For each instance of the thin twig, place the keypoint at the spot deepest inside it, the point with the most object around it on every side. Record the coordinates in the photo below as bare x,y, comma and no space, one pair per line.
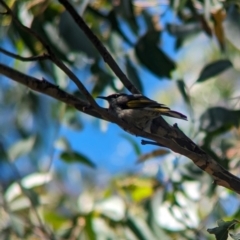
53,57
25,59
99,46
47,88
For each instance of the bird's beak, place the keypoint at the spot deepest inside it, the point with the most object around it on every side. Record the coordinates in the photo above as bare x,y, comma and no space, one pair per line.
105,98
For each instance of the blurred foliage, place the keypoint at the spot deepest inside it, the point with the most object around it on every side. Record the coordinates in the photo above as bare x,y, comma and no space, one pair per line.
191,46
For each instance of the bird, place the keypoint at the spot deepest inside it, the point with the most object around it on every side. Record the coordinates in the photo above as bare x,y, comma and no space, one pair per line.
137,109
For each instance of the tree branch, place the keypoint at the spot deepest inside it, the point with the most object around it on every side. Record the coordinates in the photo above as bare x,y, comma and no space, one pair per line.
47,88
99,46
25,59
159,131
53,57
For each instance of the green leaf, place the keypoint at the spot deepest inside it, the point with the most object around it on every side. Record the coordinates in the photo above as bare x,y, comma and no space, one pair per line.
133,75
126,10
116,27
103,79
21,148
221,232
134,144
89,227
32,196
139,228
214,69
182,88
74,37
151,207
54,219
152,57
71,157
217,118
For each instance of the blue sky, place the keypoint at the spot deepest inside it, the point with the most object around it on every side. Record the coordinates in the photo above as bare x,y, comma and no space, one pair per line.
108,149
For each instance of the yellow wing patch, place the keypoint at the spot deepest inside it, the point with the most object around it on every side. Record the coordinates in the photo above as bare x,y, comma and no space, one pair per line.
138,103
164,109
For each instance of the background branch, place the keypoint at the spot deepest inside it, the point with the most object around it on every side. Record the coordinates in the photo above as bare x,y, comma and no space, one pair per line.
54,58
99,46
47,88
25,59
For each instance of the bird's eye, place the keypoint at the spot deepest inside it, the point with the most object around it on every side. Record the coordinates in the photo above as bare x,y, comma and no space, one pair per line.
116,95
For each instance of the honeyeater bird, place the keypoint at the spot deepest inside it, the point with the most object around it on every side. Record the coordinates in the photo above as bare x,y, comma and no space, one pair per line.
137,109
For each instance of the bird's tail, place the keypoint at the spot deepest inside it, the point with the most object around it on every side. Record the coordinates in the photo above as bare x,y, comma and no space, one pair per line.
174,114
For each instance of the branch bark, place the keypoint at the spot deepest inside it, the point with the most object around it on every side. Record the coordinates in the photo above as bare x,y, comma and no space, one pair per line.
99,46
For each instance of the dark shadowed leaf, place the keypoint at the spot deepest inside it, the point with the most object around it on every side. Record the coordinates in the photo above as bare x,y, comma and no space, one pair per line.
221,232
69,31
89,226
219,117
133,75
102,79
214,69
152,57
182,89
126,10
73,157
47,30
116,27
32,196
139,227
151,208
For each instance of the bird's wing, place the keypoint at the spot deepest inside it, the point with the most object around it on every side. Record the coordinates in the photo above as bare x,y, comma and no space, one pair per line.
139,101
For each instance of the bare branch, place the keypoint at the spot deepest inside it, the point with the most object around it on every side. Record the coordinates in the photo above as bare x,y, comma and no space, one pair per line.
47,88
99,46
25,59
53,57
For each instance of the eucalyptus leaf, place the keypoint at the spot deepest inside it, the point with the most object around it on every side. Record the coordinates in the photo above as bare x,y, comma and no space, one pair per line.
218,117
221,232
21,148
73,157
152,57
213,69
